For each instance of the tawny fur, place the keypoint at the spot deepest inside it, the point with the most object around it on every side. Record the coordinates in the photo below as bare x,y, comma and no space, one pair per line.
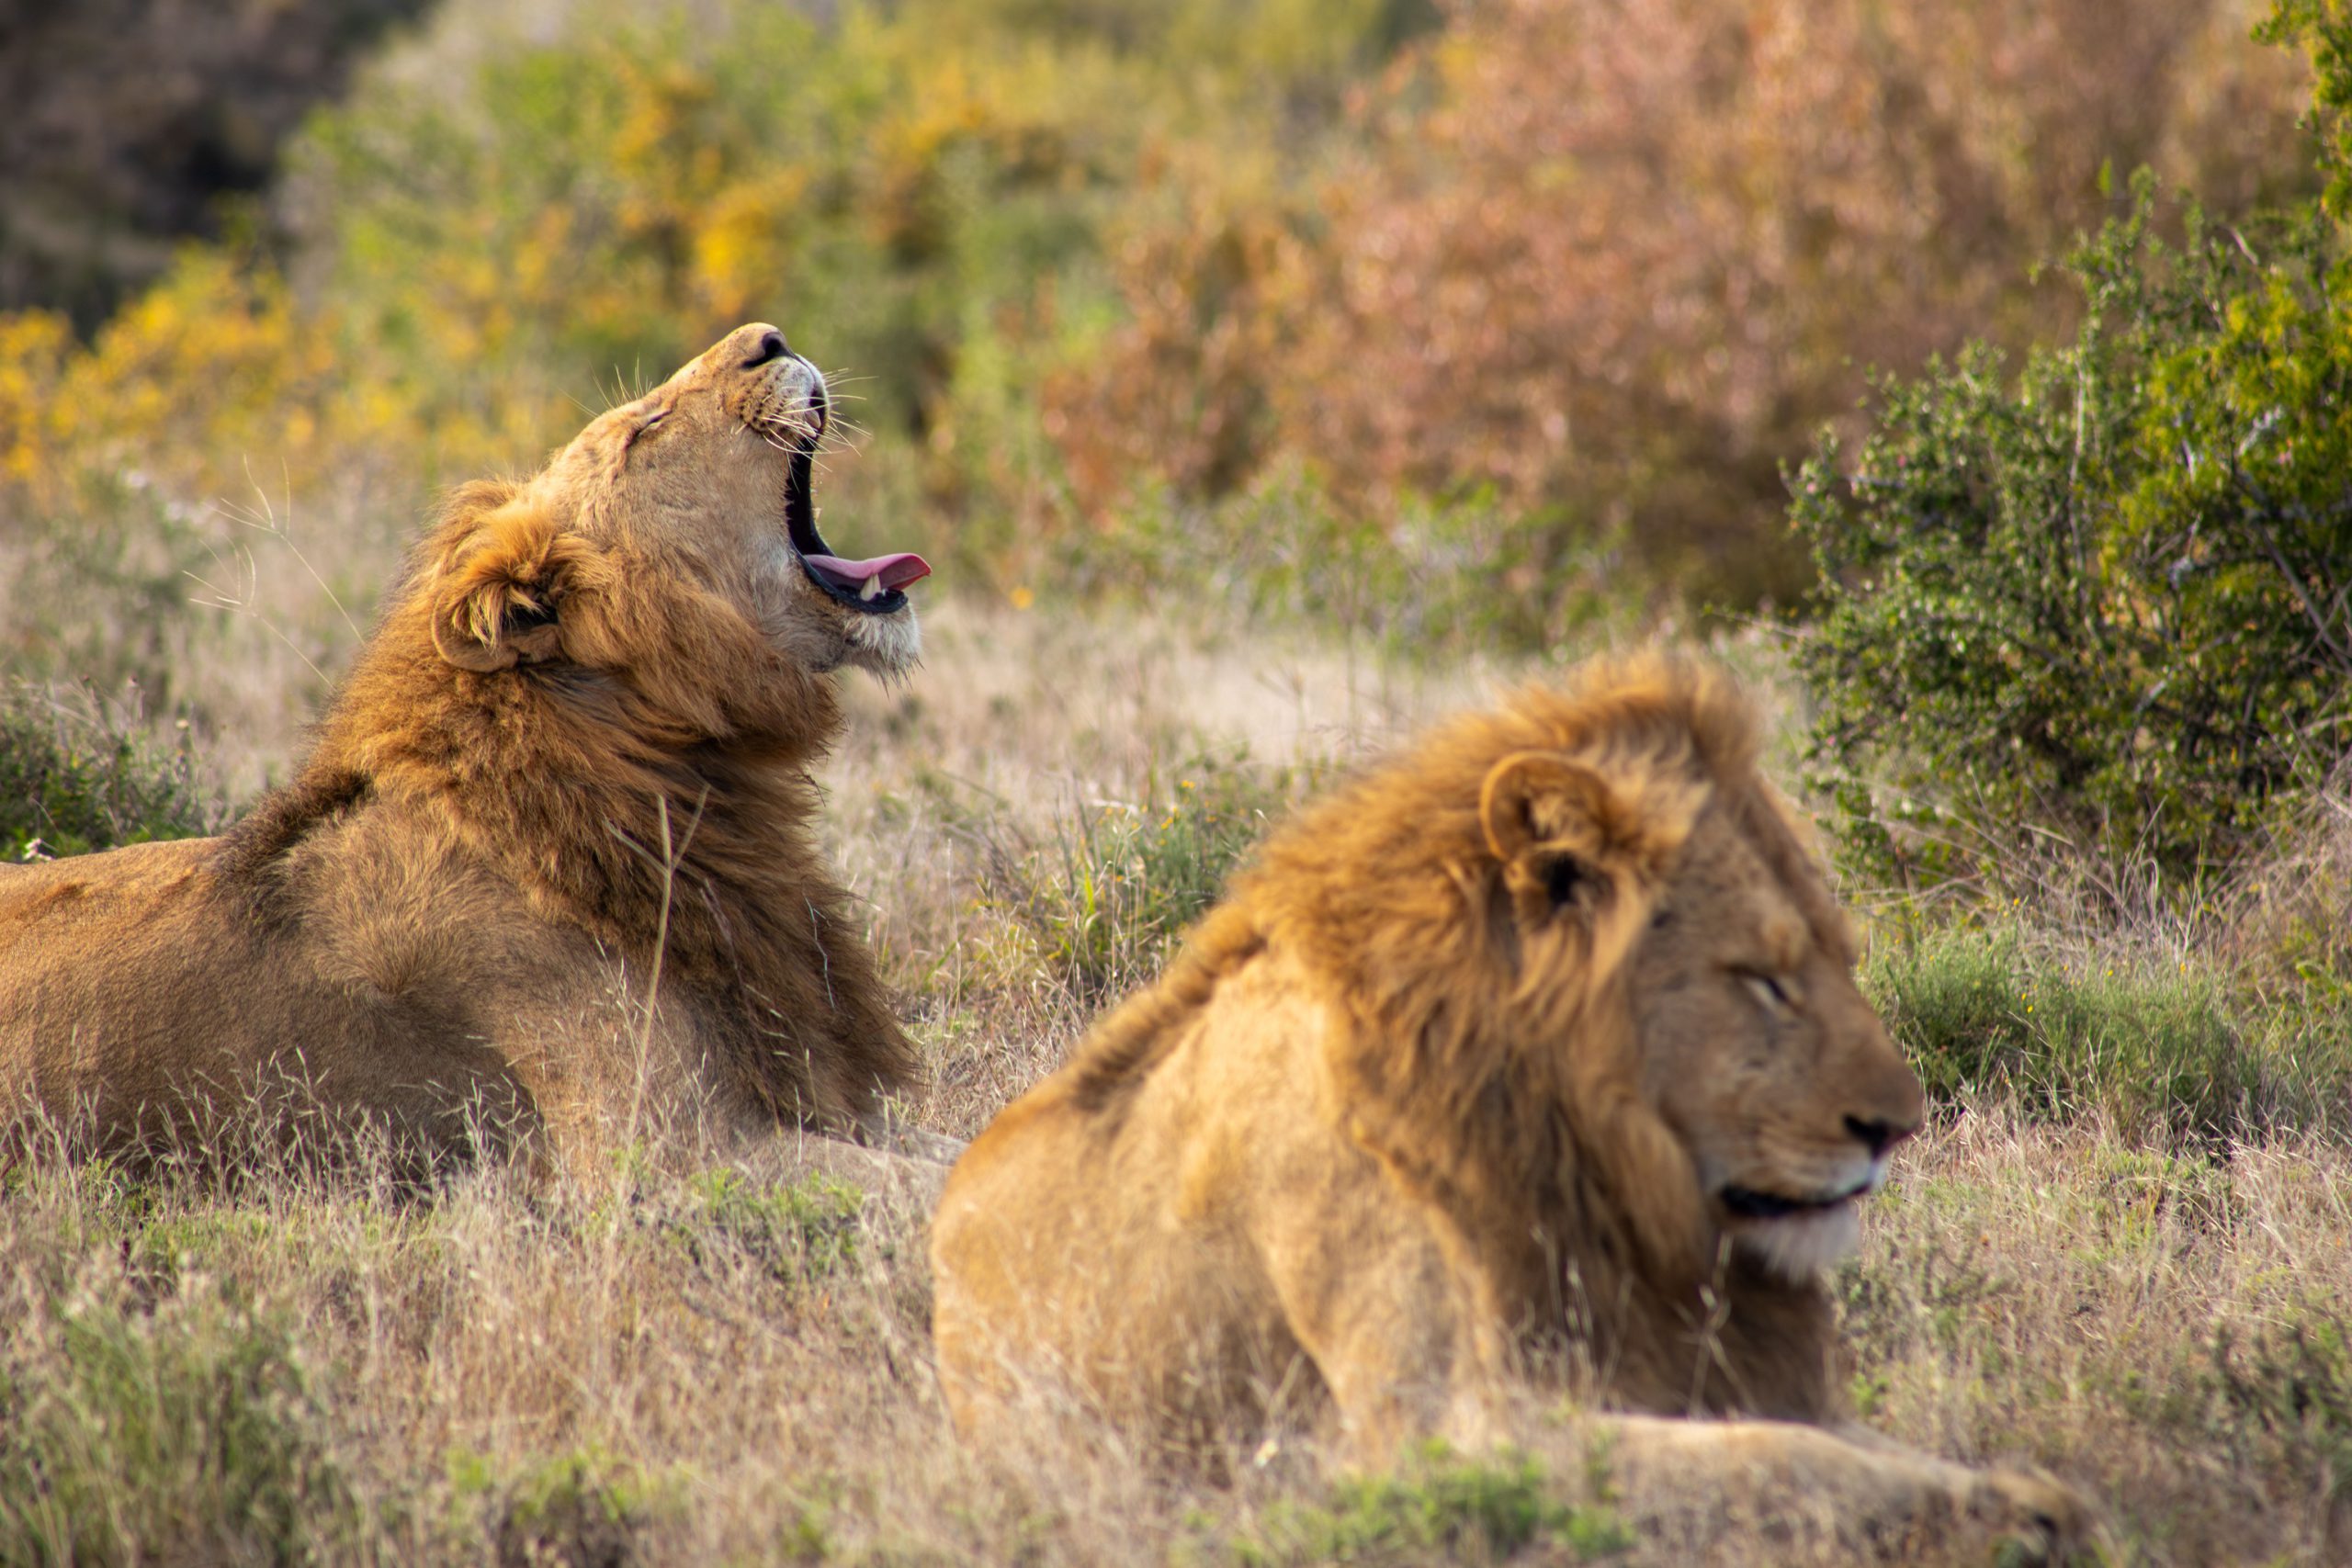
460,906
1452,1098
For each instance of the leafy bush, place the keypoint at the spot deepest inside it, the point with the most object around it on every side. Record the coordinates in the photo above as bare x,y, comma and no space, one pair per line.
75,776
2324,29
1615,261
511,216
152,125
2110,602
1064,246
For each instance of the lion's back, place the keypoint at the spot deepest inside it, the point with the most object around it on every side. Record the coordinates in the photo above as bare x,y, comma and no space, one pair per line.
83,911
143,988
113,962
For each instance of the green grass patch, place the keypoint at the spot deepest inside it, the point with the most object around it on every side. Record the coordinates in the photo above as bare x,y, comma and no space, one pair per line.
1484,1511
2283,1395
94,573
2271,1398
2173,1052
583,1509
791,1232
1101,903
193,1433
1418,578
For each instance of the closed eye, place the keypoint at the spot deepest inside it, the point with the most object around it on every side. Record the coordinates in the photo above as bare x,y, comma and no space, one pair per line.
644,427
1769,992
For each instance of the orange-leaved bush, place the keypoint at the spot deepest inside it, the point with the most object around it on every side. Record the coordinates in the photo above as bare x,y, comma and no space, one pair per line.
1617,258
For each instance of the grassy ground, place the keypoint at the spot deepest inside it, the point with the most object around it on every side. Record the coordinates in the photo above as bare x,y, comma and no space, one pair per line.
2119,1253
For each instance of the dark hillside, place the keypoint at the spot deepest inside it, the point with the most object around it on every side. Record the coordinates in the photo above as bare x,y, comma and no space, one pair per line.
128,118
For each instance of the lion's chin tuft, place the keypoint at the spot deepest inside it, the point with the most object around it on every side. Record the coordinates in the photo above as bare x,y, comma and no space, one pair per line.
887,645
1799,1246
1795,1238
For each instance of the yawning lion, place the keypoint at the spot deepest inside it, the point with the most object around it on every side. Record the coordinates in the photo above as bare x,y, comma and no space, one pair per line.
550,861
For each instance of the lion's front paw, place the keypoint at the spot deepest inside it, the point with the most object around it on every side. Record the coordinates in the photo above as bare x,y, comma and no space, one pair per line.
2036,1519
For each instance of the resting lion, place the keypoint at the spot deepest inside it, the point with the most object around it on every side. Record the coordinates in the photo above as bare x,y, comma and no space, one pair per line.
1533,1060
553,850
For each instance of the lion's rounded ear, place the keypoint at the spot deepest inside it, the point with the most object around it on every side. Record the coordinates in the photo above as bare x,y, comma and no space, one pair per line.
1549,801
1566,836
1546,820
1541,798
498,590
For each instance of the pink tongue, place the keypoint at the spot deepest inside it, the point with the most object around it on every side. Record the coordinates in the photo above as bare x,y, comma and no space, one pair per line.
895,571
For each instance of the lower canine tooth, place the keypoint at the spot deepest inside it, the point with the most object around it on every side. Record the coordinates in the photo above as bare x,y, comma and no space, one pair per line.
873,586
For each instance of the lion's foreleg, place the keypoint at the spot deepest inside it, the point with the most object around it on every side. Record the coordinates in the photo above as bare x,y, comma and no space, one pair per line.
1701,1478
1368,1293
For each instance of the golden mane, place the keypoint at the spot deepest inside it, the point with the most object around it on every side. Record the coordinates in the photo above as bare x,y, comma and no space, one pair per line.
1445,1098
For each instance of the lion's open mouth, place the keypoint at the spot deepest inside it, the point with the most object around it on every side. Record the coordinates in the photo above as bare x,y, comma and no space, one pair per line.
1750,1204
872,587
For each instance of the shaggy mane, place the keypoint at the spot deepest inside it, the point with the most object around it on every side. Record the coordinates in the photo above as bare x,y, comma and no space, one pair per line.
1583,1199
1415,816
570,778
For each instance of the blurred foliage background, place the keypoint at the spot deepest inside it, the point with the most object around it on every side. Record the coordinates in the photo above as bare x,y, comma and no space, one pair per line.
1597,268
1461,324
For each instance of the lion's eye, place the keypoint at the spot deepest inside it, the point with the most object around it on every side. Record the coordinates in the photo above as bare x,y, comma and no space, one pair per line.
1769,992
645,427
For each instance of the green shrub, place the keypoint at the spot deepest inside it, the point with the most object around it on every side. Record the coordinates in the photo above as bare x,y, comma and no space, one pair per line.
2322,29
75,776
920,193
2107,604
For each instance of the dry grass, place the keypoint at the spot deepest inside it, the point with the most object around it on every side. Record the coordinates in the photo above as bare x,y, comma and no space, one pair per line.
2167,1331
699,1358
730,1364
990,772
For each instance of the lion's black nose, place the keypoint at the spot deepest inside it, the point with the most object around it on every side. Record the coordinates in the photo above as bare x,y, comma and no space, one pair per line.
1878,1137
772,346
